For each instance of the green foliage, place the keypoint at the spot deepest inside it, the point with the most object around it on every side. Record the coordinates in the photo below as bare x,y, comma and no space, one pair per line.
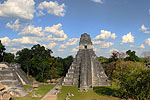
131,56
135,84
39,63
102,59
2,49
66,64
9,57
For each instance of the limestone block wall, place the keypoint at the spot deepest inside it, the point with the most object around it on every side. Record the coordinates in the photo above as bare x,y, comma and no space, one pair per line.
86,71
11,77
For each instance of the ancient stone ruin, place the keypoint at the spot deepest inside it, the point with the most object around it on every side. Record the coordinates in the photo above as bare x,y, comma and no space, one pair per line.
85,71
13,78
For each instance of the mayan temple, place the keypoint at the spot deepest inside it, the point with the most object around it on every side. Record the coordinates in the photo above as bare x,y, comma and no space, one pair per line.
85,71
13,78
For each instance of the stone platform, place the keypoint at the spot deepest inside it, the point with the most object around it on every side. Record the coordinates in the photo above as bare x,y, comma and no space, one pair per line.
86,71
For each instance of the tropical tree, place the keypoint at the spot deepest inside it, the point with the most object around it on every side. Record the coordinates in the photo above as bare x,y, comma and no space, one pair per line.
2,49
131,56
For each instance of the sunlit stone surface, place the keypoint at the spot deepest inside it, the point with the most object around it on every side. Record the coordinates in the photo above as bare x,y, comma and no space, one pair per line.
85,71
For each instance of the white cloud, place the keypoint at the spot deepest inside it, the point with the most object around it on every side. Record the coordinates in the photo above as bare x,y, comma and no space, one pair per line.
20,41
113,50
97,42
147,32
147,41
60,50
50,45
6,41
98,1
95,49
128,38
142,46
62,46
143,28
104,35
113,36
17,9
31,31
72,41
15,26
131,46
57,34
107,45
13,50
74,50
27,40
52,8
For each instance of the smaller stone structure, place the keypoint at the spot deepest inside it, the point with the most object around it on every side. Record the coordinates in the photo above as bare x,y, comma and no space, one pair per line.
13,78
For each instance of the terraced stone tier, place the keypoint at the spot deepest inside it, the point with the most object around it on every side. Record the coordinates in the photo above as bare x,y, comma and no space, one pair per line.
7,78
86,71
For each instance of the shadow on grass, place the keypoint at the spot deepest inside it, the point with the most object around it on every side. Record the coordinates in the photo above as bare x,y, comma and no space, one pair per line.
105,91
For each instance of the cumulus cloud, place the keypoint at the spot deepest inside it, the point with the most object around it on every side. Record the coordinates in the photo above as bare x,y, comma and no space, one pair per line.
72,41
74,50
113,50
27,40
17,9
145,29
113,36
56,33
142,46
63,46
60,50
129,38
147,32
107,45
104,35
97,42
20,41
95,49
50,45
31,31
98,1
15,26
147,41
51,8
131,46
14,50
32,35
6,41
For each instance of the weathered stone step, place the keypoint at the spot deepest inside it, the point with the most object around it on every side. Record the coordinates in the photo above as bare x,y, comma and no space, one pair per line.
68,83
5,72
71,71
10,82
70,75
7,78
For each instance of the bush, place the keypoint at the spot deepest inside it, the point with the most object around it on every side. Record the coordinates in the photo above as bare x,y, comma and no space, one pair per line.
134,83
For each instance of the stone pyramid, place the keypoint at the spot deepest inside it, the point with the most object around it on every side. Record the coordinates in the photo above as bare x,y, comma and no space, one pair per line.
13,78
86,71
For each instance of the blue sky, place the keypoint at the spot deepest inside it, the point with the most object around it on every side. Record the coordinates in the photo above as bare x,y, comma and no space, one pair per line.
114,25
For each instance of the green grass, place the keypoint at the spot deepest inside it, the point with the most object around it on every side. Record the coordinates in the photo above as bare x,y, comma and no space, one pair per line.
100,93
43,89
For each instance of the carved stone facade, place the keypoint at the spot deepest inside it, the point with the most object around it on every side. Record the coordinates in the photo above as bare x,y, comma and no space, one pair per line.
85,71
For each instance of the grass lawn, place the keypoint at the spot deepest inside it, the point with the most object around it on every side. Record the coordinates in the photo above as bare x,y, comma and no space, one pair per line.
100,93
43,89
